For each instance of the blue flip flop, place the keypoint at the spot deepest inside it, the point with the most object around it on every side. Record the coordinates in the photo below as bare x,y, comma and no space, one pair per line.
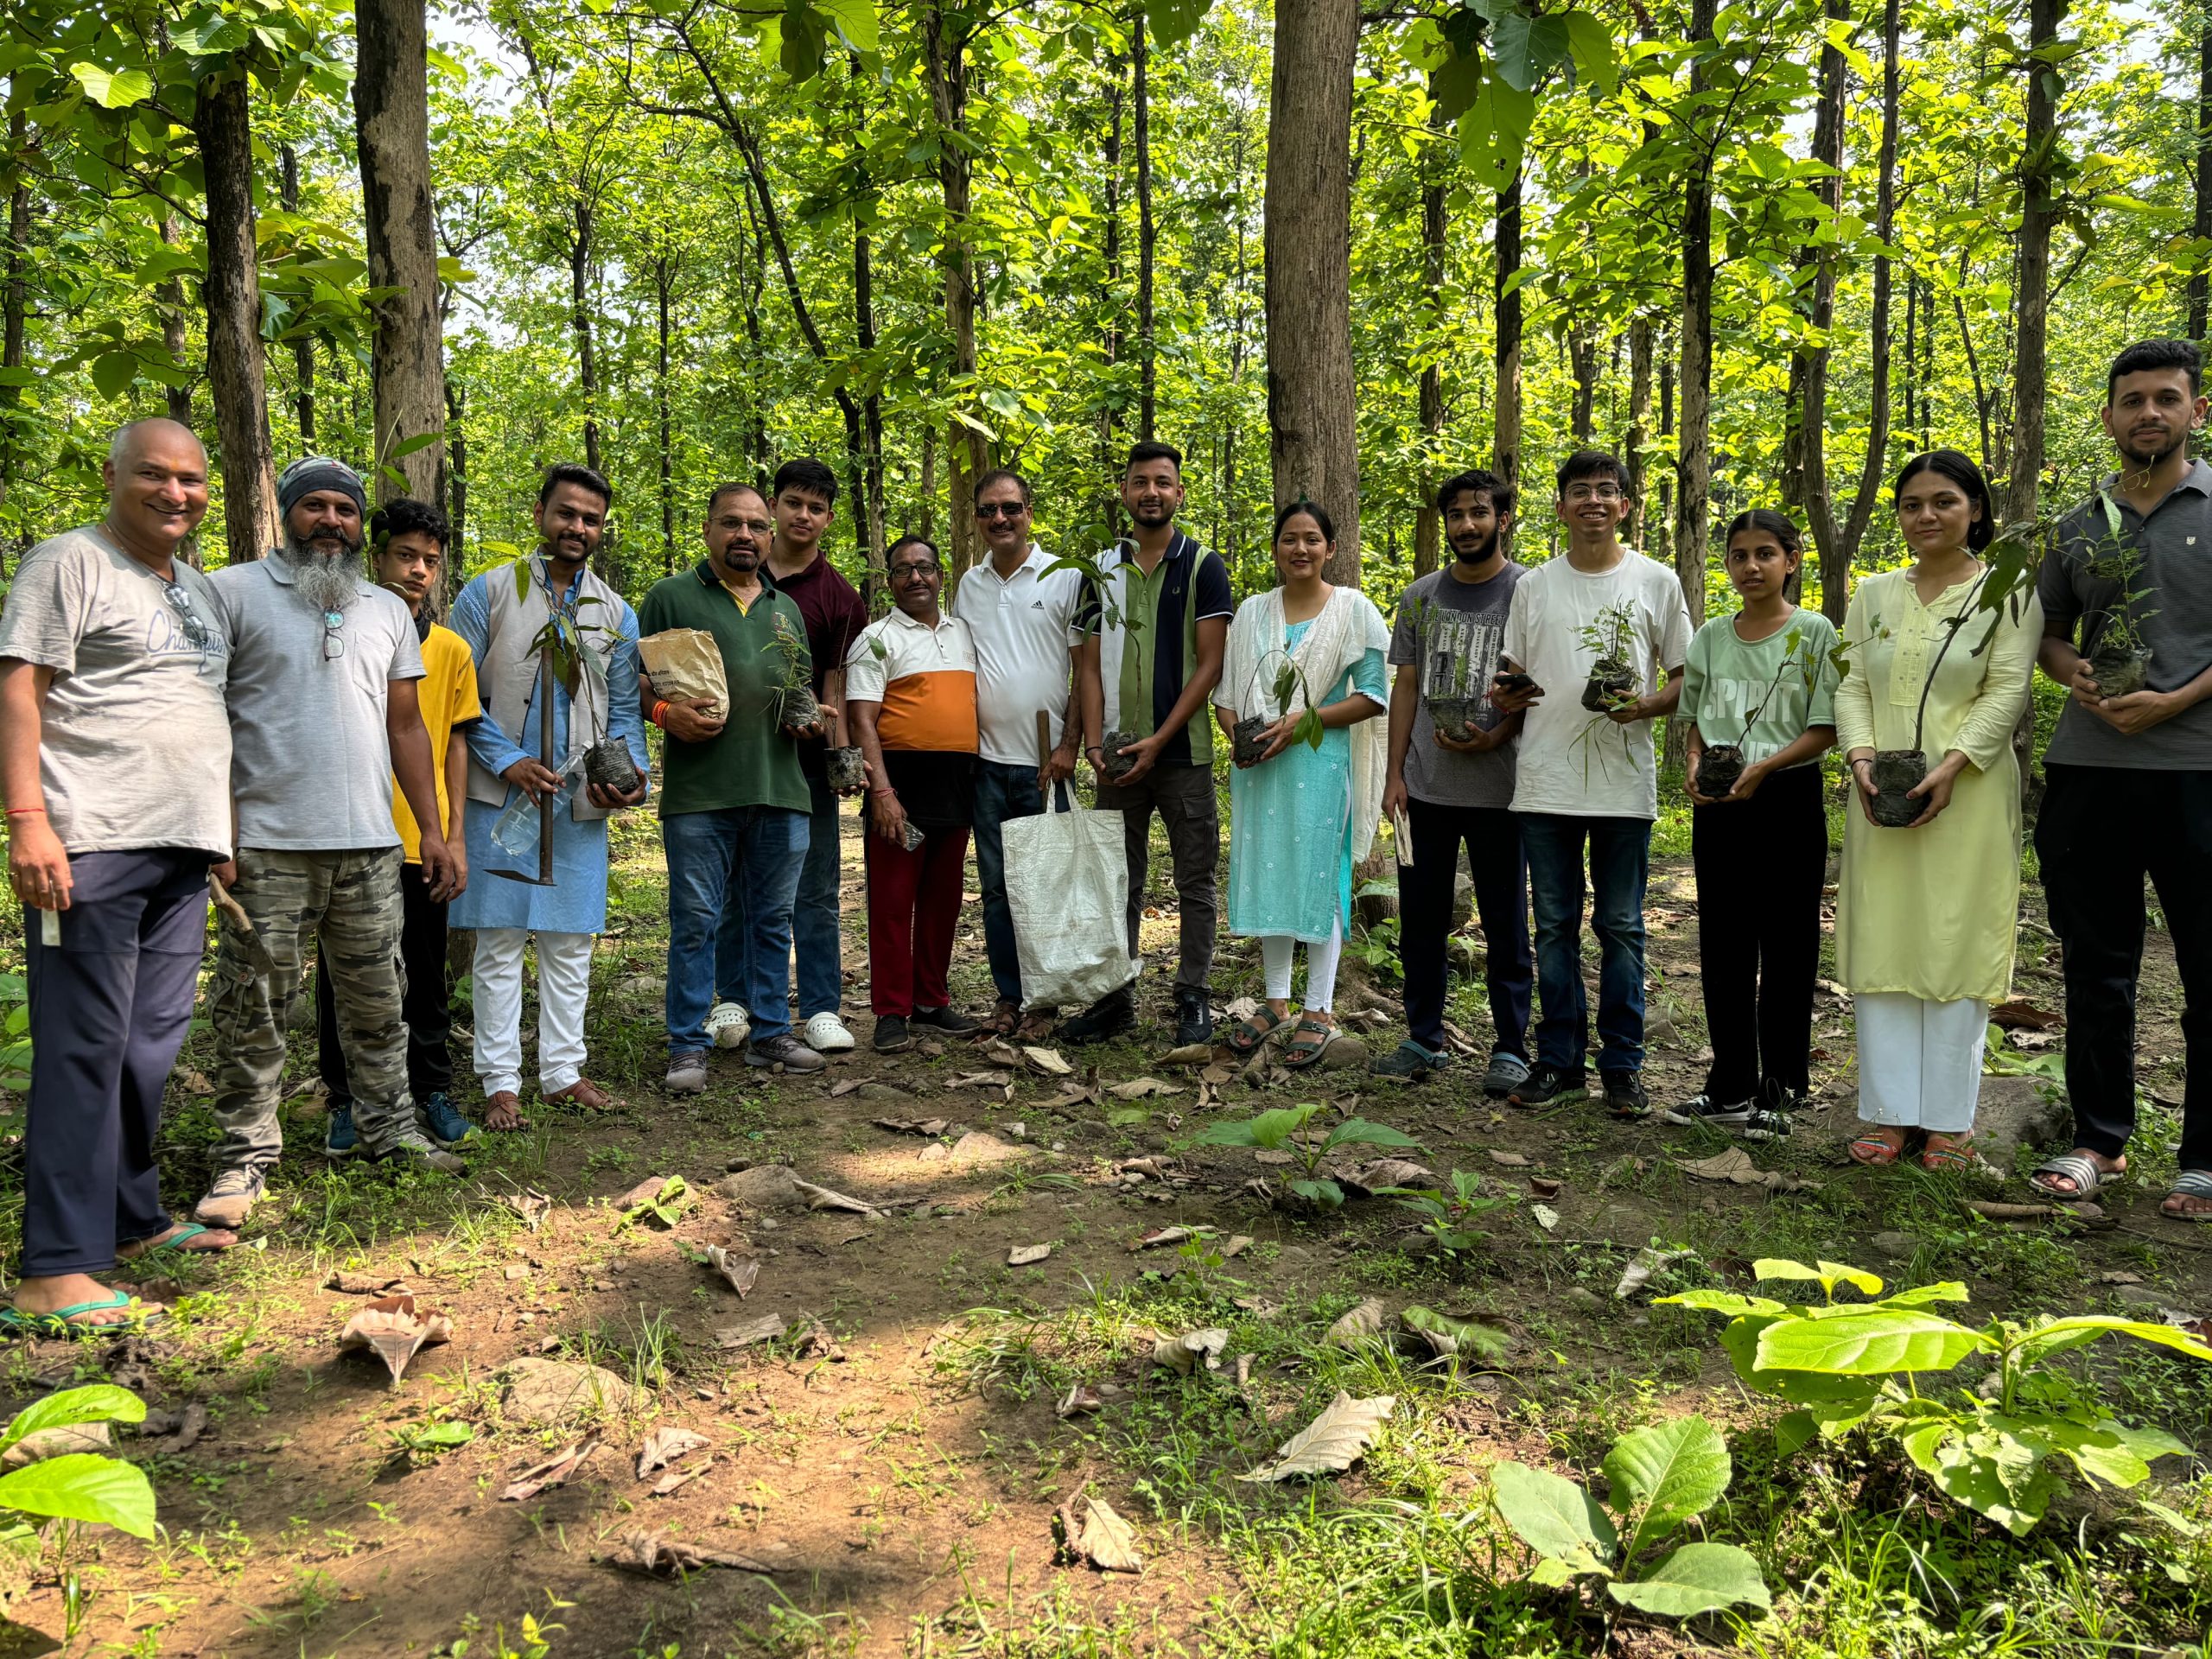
60,1324
174,1243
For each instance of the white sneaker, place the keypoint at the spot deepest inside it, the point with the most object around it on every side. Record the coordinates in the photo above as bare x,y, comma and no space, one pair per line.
729,1025
826,1034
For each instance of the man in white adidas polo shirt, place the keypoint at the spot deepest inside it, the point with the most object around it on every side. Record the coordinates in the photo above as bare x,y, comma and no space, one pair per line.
1022,619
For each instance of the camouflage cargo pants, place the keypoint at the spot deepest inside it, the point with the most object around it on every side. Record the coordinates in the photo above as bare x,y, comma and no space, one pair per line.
351,902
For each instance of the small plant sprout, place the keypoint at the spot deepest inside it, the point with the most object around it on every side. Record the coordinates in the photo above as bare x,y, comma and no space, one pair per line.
1609,637
1445,1217
2120,660
793,697
1290,681
1283,1130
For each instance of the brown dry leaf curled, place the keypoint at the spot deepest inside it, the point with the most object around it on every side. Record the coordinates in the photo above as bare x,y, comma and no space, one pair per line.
999,1051
1080,1400
739,1270
394,1330
1332,1440
1181,1354
1735,1166
1238,1242
1139,1087
1363,1322
678,1480
913,1125
552,1473
768,1326
1189,1054
529,1205
1022,1256
1106,1541
665,1446
1161,1236
1048,1061
980,1080
1508,1159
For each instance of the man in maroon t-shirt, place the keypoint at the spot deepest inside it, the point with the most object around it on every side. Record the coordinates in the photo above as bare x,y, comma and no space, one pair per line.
803,501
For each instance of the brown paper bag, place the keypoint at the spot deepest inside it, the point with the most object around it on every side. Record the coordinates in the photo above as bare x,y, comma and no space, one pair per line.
685,662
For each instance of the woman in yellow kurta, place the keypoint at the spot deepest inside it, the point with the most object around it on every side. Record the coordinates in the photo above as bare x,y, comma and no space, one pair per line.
1927,913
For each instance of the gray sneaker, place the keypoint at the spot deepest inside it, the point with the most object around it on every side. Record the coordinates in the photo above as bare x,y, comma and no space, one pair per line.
411,1146
1505,1073
786,1051
234,1193
687,1074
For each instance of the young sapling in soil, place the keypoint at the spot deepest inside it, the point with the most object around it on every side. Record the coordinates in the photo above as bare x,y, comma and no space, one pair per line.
1610,639
1721,764
2119,661
793,697
1248,738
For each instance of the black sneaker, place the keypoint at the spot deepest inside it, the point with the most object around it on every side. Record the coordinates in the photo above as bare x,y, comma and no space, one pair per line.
1713,1113
950,1021
1550,1085
1193,1019
1110,1016
892,1034
1766,1123
1411,1061
1624,1095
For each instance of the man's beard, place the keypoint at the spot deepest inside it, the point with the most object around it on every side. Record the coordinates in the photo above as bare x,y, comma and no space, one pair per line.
731,565
1158,516
2146,463
1479,554
328,581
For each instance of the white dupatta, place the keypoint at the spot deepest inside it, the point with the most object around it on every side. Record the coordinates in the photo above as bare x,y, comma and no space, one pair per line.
1348,627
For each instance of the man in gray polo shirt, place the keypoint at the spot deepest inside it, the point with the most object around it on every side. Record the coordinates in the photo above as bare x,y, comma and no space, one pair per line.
115,758
2130,774
323,715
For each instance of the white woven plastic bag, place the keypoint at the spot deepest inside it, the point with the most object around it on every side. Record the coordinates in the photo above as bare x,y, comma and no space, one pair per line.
1067,883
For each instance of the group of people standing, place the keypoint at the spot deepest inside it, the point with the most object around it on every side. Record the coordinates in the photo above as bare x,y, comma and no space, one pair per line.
306,742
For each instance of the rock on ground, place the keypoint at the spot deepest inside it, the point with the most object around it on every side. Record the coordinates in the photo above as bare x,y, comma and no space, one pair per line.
557,1392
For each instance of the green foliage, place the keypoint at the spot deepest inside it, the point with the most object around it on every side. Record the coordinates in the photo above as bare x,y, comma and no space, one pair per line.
427,1442
1662,1478
1444,1216
1996,1447
15,1034
665,1206
79,1486
1284,1129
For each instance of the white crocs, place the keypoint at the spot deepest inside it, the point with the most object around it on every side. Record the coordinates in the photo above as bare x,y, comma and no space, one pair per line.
729,1025
825,1033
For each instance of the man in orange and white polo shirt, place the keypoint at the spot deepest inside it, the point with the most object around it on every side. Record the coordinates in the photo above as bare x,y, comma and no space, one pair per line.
909,694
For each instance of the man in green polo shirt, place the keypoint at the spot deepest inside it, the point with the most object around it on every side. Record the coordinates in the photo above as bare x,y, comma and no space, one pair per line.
733,805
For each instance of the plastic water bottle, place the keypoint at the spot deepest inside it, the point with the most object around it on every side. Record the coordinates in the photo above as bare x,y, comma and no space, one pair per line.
515,833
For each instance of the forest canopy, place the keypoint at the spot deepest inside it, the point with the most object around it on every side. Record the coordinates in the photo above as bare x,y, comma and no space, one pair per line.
1766,250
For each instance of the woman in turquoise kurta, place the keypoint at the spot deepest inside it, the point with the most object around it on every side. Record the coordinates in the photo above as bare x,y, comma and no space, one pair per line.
1301,814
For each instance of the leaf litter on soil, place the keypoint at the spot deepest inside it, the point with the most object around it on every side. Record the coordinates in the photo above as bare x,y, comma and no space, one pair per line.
394,1330
1334,1440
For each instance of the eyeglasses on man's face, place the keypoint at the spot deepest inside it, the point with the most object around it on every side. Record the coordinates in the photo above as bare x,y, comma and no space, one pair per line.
1577,493
989,510
913,571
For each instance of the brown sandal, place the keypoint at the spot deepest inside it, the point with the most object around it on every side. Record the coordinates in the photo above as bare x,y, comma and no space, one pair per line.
1005,1018
585,1093
1249,1036
1299,1054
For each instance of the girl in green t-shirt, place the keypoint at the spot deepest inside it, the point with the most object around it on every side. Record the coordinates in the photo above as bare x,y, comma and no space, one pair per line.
1758,692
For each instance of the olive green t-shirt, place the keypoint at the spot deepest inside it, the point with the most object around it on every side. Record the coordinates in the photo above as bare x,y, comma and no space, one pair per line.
750,762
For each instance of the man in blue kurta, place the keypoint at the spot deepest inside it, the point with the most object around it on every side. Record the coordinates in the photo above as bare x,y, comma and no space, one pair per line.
502,624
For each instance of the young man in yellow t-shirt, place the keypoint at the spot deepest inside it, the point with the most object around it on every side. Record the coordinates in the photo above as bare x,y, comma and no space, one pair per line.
408,543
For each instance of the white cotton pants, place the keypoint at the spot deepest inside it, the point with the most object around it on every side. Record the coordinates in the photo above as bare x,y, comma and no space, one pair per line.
564,988
1920,1062
1275,952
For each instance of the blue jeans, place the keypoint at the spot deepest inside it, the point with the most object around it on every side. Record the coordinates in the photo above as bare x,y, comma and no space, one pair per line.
1620,858
742,862
813,930
1003,791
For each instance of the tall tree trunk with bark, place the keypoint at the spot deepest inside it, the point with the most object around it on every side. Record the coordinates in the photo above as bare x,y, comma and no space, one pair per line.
1148,362
944,49
1635,447
585,220
222,123
872,533
169,302
2031,296
1694,449
15,294
392,124
304,344
2200,283
1314,436
457,475
664,291
1428,523
1110,462
1839,545
1506,315
1582,357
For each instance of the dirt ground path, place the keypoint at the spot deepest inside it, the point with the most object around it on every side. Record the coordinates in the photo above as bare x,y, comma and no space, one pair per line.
892,1461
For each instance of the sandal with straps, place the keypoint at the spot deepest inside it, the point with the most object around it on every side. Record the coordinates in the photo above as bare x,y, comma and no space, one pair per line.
1876,1150
2089,1177
1250,1035
2190,1183
1301,1053
1956,1153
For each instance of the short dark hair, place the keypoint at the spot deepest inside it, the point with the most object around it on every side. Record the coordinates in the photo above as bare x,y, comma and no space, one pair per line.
1591,463
575,473
406,516
1002,475
735,486
2145,356
806,473
1479,480
1312,509
1961,471
1152,449
911,540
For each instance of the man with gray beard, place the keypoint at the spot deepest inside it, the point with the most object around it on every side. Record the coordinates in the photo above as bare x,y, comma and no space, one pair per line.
323,715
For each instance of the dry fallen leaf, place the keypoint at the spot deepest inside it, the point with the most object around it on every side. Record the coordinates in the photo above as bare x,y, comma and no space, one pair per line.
1382,1172
1160,1236
1101,1537
552,1473
821,1198
980,1080
676,1480
1332,1440
999,1051
1272,1155
1139,1087
740,1271
665,1446
365,1284
839,1090
1544,1216
1648,1261
1216,1075
1048,1061
1508,1159
1022,1256
1735,1166
767,1326
663,1556
1180,1354
1189,1054
1080,1402
1364,1321
1238,1243
913,1125
1544,1186
394,1328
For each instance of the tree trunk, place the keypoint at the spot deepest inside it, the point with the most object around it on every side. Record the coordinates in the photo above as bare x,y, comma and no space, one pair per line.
1582,355
168,300
1314,436
1694,449
302,345
756,415
873,533
1147,365
222,123
15,294
580,253
391,123
1506,462
2200,283
1636,446
965,451
456,477
2032,296
1428,523
1110,462
927,514
663,281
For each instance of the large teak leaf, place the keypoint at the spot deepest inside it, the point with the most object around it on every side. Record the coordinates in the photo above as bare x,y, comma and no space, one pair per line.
1665,1474
1553,1516
1696,1578
1331,1442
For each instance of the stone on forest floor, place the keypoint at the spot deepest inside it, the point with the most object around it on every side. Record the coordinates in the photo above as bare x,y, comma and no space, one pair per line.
1898,1247
2014,1114
556,1392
